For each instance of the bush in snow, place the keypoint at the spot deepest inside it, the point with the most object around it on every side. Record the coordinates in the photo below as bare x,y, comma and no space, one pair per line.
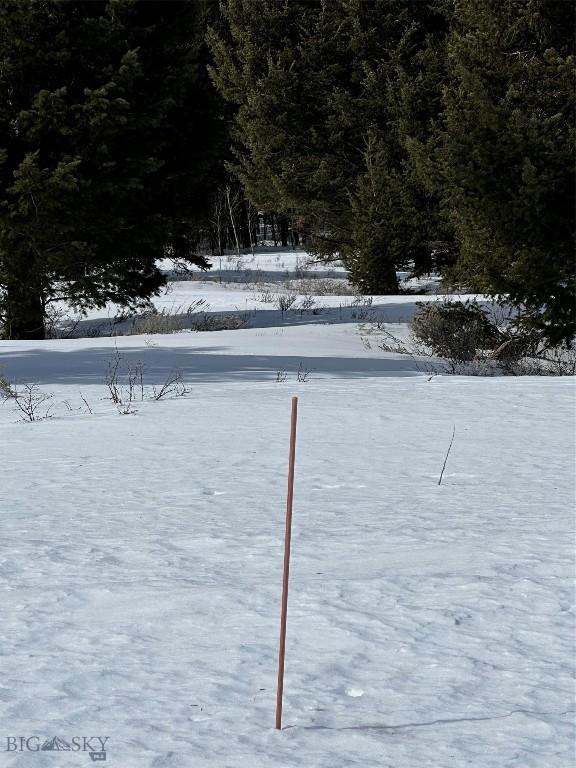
480,340
31,402
453,329
6,390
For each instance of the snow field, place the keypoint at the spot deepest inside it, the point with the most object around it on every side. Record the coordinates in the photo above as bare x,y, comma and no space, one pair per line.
141,556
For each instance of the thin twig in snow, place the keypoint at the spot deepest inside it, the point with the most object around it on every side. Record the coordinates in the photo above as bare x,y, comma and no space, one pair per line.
447,454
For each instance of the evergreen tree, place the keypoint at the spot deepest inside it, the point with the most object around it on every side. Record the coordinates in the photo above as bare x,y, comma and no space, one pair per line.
323,91
508,155
108,135
400,46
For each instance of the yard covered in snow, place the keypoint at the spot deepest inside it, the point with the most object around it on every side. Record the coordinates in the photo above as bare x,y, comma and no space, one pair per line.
141,553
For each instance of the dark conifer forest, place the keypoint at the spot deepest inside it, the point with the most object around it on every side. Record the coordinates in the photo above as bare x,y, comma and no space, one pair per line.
419,135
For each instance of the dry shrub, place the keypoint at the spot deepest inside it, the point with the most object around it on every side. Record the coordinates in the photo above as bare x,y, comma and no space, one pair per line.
454,330
481,340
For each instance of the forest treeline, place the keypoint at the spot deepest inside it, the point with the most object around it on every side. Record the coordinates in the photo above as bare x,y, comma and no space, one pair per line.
395,135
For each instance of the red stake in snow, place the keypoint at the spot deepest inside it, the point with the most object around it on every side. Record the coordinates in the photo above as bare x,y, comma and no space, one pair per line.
287,539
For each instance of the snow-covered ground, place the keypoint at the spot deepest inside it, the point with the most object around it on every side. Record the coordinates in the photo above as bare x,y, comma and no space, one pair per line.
141,554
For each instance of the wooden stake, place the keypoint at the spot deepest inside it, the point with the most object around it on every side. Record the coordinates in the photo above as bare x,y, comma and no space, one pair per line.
287,540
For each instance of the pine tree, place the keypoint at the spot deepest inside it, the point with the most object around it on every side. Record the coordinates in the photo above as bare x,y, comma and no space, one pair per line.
323,91
108,134
400,50
508,155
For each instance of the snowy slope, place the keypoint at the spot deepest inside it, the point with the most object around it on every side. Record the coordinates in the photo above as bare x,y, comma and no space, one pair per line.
140,561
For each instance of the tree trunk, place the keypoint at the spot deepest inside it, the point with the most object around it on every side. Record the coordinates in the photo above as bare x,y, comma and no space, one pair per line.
24,313
231,212
385,283
283,223
251,224
374,272
244,225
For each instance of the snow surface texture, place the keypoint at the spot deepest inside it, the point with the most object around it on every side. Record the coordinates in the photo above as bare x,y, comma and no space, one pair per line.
141,556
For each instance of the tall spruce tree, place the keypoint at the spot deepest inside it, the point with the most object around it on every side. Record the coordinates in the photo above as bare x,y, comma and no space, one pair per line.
108,134
508,155
324,92
400,46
